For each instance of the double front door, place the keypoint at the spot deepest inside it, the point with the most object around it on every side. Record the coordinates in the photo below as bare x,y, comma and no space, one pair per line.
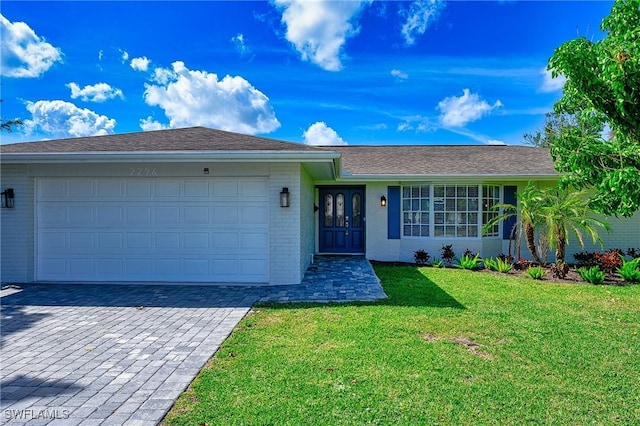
342,220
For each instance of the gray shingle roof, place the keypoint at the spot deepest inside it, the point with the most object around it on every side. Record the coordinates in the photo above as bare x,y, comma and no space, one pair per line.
437,160
471,160
187,139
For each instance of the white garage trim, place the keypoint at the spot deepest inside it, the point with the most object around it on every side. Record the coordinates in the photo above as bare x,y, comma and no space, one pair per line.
152,229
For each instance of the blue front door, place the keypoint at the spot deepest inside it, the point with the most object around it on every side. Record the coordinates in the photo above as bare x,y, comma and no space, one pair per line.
342,220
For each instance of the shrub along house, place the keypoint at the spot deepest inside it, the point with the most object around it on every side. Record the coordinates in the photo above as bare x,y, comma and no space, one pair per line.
203,205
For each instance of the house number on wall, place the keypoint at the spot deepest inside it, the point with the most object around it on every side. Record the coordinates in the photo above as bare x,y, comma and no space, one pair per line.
143,171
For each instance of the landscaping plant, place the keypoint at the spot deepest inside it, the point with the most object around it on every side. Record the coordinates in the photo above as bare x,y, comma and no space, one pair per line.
592,275
560,269
536,272
448,255
498,264
630,270
421,257
468,262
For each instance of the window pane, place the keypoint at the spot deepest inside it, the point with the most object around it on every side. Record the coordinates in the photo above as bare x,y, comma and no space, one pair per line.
473,231
450,191
424,191
406,217
415,205
406,204
424,204
438,231
406,192
461,191
462,218
340,210
473,191
473,204
356,210
328,210
451,205
425,230
473,217
462,205
407,230
462,231
450,231
424,218
438,191
415,192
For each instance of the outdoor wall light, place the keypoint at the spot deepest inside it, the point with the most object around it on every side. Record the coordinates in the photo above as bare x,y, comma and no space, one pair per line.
383,201
205,171
284,197
8,198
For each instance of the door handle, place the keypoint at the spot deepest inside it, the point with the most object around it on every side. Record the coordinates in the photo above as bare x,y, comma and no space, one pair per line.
346,225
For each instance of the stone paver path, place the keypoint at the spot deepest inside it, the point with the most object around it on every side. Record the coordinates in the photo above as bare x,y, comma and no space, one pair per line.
122,354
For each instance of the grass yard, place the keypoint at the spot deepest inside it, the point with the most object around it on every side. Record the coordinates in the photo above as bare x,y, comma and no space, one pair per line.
448,346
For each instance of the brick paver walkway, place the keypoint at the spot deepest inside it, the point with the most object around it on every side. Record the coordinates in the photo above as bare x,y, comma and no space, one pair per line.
122,354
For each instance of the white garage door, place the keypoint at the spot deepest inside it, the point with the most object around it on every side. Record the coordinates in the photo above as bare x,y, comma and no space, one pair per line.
153,229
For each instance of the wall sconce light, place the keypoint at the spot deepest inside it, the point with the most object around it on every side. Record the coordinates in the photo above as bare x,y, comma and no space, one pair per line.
284,197
8,198
206,171
383,201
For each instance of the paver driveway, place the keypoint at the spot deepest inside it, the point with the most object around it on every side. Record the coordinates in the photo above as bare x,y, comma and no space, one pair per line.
119,354
108,354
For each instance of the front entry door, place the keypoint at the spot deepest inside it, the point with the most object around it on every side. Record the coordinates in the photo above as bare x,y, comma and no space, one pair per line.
342,220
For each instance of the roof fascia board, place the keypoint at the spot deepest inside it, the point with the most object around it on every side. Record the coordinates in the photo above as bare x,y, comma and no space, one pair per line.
173,156
400,177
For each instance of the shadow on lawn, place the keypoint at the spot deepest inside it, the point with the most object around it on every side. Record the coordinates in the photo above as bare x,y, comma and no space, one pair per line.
404,286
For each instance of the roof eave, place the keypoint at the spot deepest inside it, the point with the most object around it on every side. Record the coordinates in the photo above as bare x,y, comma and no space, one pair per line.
170,156
418,177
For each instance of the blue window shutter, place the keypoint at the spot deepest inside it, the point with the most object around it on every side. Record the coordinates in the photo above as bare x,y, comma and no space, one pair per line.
509,198
393,212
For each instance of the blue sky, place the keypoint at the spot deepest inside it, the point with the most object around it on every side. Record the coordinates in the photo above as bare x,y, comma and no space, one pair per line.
319,72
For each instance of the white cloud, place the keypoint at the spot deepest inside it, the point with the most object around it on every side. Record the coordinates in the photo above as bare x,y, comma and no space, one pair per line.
495,142
417,123
23,52
125,55
321,134
198,98
457,111
240,44
319,29
100,54
64,119
140,64
400,75
149,123
420,15
99,92
550,84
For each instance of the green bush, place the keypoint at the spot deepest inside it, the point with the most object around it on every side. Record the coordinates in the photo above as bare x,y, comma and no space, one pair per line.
437,263
630,270
468,262
498,264
536,272
592,275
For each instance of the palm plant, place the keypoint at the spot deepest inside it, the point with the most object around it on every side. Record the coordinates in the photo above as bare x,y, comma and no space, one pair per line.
530,200
565,212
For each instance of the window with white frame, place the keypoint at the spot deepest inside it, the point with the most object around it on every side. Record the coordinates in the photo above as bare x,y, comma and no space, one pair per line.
490,197
455,211
415,210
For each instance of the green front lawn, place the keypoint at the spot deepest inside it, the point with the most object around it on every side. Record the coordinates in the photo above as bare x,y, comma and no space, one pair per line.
448,346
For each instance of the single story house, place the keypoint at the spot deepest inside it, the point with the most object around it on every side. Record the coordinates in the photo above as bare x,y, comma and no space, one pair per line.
204,205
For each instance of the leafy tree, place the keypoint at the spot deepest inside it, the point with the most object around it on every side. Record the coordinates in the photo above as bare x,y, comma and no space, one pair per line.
553,126
8,125
567,212
603,88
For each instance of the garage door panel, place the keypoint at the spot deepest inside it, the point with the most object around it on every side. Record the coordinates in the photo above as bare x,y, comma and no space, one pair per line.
153,229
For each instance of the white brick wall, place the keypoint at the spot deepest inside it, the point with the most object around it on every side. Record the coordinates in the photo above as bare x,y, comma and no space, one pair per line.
17,228
285,225
307,220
